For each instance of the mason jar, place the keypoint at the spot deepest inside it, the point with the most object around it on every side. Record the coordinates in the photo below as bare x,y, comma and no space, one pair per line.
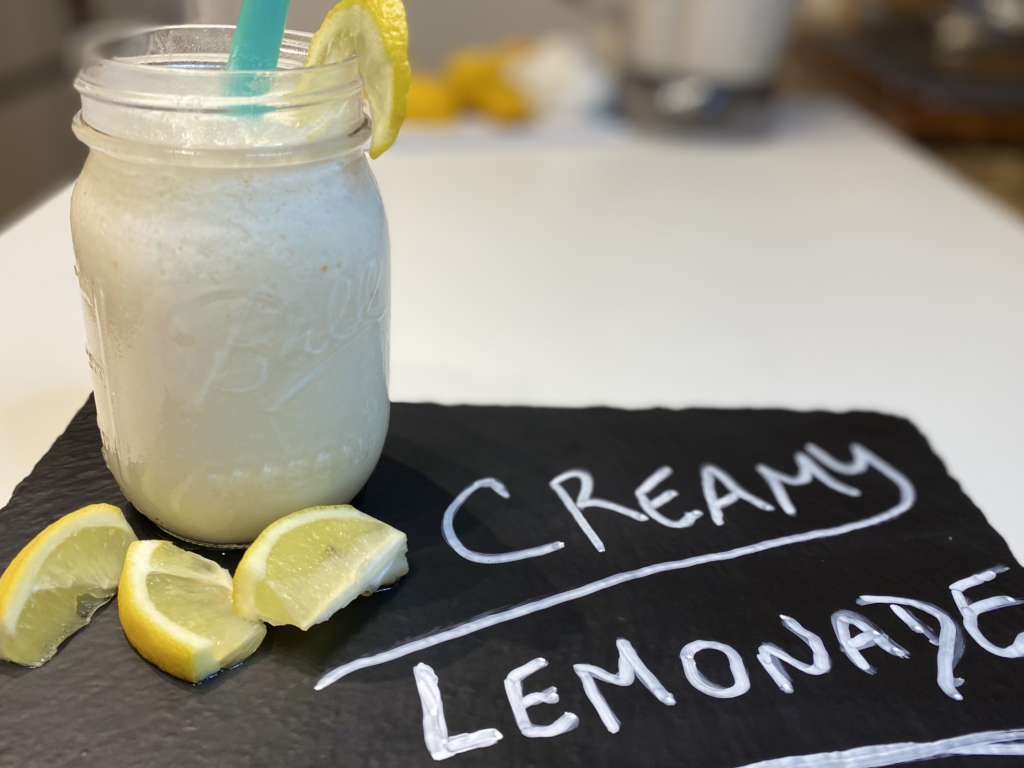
233,256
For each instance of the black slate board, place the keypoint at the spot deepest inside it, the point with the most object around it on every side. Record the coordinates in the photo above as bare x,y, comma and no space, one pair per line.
97,703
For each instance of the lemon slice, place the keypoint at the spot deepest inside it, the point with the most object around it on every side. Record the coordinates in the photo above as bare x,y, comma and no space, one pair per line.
58,581
375,30
311,564
175,608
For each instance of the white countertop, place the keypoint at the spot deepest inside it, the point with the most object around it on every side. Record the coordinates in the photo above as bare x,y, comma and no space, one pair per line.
827,265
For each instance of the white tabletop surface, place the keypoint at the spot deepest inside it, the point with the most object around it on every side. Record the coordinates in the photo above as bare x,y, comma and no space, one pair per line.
827,265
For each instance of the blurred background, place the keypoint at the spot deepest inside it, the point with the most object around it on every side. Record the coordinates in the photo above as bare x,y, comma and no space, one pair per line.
949,74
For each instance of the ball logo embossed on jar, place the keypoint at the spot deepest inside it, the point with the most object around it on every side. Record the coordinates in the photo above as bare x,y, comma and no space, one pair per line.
267,344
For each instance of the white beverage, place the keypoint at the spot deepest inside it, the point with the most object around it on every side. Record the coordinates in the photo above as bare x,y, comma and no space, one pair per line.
237,309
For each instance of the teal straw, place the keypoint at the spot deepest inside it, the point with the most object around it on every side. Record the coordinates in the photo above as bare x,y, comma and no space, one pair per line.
258,36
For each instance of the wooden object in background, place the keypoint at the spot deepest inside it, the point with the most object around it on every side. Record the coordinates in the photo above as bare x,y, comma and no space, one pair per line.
976,97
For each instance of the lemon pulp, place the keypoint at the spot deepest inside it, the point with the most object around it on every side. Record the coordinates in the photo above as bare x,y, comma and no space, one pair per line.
176,610
59,580
307,566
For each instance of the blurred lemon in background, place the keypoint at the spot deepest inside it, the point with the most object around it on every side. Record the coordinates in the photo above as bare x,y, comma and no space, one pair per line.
474,78
548,78
431,97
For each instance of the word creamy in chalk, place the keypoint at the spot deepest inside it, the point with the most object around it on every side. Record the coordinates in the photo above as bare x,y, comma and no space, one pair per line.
812,464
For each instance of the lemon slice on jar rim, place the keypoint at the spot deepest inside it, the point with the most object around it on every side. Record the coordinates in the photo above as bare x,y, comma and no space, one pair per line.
376,31
59,580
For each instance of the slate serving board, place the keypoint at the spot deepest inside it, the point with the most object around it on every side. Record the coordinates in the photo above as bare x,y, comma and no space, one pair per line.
97,703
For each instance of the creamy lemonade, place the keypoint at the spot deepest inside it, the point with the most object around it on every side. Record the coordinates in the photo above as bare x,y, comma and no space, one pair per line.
233,256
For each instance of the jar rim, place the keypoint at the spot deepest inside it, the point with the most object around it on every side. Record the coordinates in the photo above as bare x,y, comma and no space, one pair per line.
311,152
181,68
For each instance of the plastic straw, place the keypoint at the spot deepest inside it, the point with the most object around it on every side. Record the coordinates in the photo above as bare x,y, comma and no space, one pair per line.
258,36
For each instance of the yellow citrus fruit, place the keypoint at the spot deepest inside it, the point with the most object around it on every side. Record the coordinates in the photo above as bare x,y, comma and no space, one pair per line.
431,98
478,78
309,565
471,70
376,32
57,582
175,608
502,102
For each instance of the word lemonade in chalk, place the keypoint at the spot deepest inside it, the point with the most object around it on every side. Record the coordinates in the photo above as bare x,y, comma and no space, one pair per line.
233,257
854,632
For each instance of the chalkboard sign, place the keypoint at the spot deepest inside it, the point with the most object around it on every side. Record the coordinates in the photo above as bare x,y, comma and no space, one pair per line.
588,588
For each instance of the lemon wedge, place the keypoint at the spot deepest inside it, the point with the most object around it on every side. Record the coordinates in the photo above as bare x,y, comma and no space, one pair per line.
375,30
175,608
311,564
57,582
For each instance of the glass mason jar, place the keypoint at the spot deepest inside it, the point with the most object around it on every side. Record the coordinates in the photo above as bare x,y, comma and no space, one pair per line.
233,256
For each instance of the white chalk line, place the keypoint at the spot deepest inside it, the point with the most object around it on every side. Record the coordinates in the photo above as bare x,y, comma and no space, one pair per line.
908,496
986,744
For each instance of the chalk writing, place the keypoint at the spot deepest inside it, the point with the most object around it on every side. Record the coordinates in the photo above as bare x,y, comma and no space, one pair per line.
448,528
989,743
520,703
869,636
770,655
630,668
807,472
584,500
855,633
971,611
710,477
950,641
862,460
651,506
740,678
435,729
